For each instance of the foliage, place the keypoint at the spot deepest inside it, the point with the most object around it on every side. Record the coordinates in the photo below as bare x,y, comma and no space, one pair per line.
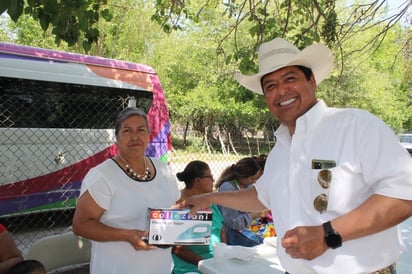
73,21
28,32
196,63
374,75
301,22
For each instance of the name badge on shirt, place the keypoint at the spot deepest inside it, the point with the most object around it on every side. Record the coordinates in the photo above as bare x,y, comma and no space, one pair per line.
323,164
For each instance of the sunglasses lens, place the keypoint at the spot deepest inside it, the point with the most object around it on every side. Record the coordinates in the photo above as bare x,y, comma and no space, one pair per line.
321,202
324,178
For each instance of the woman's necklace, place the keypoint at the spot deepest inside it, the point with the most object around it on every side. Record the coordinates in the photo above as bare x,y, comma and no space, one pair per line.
130,171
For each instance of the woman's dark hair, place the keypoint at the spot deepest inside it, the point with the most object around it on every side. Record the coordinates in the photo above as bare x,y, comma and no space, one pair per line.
193,170
27,267
261,160
244,168
126,113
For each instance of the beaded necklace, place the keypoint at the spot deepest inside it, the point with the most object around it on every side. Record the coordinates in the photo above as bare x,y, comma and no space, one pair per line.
130,171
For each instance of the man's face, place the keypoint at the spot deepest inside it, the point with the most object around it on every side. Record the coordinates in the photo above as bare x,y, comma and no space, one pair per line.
289,94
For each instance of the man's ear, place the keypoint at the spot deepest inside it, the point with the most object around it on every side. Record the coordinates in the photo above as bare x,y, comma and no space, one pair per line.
312,81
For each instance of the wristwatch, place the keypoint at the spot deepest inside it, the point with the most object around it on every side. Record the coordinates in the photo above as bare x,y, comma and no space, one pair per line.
332,238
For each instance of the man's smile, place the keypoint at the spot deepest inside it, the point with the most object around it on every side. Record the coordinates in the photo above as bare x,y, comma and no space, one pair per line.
287,102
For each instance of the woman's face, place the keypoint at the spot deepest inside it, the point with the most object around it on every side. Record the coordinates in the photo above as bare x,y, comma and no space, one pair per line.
249,180
205,182
133,136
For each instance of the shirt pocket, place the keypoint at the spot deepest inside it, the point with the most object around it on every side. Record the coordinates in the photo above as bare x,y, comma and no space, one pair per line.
345,192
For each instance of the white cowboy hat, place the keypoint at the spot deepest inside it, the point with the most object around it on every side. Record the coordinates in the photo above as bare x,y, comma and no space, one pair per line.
279,53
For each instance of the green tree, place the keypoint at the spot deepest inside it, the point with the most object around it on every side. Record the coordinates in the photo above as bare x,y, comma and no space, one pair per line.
374,75
76,21
73,21
196,66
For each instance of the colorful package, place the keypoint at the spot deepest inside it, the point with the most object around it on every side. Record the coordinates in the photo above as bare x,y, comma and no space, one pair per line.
175,227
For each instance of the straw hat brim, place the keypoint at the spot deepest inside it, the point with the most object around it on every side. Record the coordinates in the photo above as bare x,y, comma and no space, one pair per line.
316,57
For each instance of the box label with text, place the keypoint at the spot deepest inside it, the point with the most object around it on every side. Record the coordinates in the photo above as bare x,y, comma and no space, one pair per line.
176,227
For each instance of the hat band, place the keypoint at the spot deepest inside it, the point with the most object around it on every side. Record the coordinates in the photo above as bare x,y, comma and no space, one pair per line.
278,51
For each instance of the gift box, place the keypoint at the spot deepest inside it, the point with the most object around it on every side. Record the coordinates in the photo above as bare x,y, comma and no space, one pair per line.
176,227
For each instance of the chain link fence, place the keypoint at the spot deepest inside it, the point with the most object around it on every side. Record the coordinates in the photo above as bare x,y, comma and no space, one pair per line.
48,135
44,131
54,130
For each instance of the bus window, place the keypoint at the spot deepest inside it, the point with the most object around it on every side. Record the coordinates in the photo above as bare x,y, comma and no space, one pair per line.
57,113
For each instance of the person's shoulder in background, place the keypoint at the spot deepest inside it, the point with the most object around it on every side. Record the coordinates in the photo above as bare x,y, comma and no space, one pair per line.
9,252
28,267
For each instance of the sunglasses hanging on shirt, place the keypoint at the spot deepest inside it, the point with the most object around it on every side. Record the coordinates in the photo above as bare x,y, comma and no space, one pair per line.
321,201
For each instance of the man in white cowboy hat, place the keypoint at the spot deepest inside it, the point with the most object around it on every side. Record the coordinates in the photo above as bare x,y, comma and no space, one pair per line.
337,180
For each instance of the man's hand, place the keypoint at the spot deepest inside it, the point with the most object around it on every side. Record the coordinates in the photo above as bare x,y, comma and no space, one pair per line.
305,242
196,203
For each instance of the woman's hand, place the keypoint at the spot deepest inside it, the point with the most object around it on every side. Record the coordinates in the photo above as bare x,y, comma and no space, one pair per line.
86,223
138,239
260,214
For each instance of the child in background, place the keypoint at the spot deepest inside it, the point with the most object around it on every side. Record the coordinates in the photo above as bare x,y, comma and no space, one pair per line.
28,267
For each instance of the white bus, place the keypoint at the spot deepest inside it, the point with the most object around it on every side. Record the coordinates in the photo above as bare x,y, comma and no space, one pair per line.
57,113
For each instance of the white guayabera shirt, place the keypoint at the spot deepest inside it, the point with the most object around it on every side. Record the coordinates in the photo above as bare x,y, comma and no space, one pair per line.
369,160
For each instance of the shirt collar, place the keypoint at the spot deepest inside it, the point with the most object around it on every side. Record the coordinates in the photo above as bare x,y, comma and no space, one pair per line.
305,122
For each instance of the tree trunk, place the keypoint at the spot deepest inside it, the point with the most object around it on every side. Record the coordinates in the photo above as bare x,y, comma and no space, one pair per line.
206,141
222,144
185,134
231,144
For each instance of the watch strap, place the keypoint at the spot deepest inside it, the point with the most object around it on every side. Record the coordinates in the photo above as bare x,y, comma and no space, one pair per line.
332,238
327,227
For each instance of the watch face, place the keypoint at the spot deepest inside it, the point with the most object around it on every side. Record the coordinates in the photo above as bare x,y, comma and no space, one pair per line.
334,240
